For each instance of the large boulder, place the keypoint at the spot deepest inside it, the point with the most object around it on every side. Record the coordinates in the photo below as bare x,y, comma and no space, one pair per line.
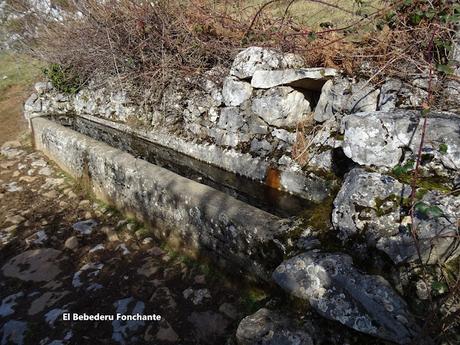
281,106
306,78
267,327
340,292
374,206
380,138
254,59
342,96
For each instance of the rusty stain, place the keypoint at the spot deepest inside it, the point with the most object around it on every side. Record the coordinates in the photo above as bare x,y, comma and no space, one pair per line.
273,178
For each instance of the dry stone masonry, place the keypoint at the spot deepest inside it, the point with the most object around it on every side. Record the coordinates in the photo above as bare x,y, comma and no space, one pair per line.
362,156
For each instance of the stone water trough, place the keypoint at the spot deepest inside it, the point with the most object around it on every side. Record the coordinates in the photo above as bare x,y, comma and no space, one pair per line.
213,172
180,211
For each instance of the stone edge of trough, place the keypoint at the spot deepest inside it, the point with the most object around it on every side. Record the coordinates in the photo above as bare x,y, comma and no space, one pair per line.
180,211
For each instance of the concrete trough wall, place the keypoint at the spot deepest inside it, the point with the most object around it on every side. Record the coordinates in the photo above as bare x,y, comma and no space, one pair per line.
185,213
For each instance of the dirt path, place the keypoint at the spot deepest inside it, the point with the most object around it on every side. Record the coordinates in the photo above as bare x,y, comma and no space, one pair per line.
61,252
12,122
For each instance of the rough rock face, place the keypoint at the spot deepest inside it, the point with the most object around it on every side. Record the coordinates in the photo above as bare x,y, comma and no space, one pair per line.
380,138
281,106
340,292
254,59
344,97
235,92
371,204
266,327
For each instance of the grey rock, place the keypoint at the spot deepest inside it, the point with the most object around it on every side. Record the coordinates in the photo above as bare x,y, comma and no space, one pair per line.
13,332
281,106
227,138
323,109
257,126
423,290
43,87
196,296
48,299
377,138
284,135
395,93
364,194
306,78
235,92
230,119
389,92
123,331
309,186
8,303
438,234
370,204
85,227
266,327
322,160
341,96
37,265
338,291
261,147
255,58
33,104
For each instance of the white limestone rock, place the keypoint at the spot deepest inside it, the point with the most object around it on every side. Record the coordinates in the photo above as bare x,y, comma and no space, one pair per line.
281,106
235,92
253,59
306,78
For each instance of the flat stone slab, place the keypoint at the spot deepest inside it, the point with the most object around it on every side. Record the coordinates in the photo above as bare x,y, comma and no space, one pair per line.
338,291
39,265
311,79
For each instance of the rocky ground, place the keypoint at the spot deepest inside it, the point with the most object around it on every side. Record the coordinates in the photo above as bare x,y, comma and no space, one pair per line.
61,251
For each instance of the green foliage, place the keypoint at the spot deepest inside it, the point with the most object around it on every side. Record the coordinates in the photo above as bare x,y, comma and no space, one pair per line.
427,210
439,288
62,78
443,148
404,169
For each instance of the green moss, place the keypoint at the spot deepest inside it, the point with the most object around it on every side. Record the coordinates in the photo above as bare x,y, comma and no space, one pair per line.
252,299
427,183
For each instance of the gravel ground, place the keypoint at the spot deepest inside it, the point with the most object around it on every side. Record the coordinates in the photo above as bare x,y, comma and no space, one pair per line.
63,252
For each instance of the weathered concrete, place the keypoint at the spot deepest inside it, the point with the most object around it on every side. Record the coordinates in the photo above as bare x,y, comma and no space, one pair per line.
180,211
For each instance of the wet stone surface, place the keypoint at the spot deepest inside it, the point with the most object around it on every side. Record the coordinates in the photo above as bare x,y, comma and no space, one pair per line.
62,252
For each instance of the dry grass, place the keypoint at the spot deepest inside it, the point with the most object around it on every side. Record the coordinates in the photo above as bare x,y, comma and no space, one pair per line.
17,73
146,46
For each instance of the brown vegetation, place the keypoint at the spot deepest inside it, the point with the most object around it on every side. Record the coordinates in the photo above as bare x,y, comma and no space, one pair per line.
148,44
